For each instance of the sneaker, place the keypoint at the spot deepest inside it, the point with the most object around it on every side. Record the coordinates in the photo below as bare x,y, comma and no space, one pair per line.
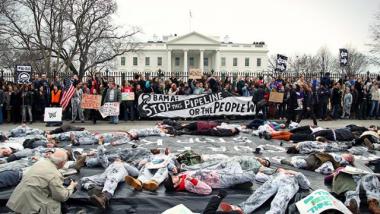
150,185
136,184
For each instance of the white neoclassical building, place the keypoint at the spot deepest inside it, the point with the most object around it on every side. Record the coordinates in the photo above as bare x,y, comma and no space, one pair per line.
176,55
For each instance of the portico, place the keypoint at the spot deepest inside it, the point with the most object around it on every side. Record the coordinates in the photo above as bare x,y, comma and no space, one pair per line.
176,55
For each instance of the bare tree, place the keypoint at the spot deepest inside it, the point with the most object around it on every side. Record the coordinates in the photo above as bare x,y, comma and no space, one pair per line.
326,60
375,44
76,35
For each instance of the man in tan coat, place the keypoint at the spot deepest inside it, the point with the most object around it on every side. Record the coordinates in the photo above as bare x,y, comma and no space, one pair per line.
41,189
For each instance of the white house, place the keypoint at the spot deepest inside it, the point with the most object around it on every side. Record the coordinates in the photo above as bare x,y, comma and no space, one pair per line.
175,55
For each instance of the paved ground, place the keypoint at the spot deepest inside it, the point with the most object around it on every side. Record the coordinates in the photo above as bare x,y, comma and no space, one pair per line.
103,126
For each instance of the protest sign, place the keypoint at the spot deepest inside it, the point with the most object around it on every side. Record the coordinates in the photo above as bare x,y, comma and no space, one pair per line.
23,74
178,209
91,101
281,63
319,201
276,97
110,109
195,73
53,114
125,96
343,56
190,106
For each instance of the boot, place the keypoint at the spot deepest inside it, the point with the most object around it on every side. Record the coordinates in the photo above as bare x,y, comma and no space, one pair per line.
100,200
353,206
133,182
373,206
226,207
150,185
155,151
80,162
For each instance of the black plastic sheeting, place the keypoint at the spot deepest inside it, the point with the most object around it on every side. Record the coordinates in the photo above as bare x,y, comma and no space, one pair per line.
126,200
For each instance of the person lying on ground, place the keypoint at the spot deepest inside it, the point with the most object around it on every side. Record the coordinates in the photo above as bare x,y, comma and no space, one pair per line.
351,186
202,181
307,147
283,185
65,128
107,182
41,189
24,130
153,171
370,139
324,163
103,156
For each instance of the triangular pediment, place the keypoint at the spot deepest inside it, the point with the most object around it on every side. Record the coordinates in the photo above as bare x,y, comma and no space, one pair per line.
193,38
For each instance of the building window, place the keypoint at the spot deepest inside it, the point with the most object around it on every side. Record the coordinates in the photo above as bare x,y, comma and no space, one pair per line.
122,61
205,61
246,62
177,62
235,62
258,62
159,61
147,61
135,61
223,61
191,61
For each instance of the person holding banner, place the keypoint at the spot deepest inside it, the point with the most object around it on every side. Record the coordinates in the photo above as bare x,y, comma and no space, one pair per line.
113,94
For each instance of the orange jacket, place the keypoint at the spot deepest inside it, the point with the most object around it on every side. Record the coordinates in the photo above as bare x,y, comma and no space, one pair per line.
55,97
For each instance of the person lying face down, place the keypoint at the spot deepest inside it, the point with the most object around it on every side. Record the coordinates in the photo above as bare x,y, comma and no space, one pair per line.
369,138
324,163
24,130
307,147
64,128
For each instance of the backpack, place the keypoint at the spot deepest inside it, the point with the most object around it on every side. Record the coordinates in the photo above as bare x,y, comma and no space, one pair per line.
189,157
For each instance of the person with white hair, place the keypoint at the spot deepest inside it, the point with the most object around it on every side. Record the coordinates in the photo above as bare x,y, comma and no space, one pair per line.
41,189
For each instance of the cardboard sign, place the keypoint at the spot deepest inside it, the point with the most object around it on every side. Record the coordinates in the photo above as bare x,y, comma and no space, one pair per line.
53,114
110,109
91,101
276,97
195,74
319,201
127,96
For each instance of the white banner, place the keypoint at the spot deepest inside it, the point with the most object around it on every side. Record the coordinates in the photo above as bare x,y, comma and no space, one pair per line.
53,114
110,109
159,105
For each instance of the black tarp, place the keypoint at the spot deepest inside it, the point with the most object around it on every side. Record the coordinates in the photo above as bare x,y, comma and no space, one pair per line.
126,200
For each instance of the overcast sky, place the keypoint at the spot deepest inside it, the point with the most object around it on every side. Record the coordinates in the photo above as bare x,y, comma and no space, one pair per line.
287,26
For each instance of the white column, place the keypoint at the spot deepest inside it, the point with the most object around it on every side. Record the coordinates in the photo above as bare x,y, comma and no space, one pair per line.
217,62
169,70
201,65
185,65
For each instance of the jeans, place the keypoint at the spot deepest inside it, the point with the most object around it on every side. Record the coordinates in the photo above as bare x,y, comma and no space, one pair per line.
1,114
129,112
25,109
335,111
374,108
114,119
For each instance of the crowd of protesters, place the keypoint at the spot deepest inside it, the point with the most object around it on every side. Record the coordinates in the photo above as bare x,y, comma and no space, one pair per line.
318,98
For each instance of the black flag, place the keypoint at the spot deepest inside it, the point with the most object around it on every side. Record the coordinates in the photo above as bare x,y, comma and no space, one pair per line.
281,63
343,56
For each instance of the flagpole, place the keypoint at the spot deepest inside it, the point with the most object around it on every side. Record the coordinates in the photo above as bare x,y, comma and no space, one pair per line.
190,16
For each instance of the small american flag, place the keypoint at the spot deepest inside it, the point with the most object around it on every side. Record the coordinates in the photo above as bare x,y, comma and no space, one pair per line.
67,94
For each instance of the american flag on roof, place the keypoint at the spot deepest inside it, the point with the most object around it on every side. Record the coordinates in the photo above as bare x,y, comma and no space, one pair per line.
68,93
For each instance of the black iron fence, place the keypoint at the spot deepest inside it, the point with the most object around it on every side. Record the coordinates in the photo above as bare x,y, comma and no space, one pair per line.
119,77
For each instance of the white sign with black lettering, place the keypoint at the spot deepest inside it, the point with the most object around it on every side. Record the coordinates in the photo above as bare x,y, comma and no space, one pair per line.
53,114
189,106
